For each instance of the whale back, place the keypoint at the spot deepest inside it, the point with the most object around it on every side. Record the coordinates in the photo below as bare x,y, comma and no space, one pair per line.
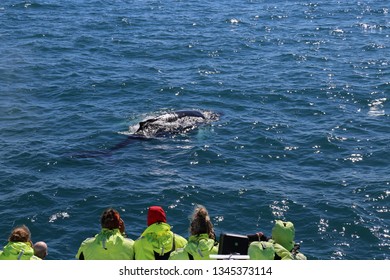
171,123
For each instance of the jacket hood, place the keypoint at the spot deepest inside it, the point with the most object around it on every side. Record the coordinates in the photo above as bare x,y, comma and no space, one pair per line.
109,235
284,234
160,236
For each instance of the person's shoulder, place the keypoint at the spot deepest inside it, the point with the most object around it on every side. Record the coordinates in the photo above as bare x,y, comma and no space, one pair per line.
180,239
128,241
178,254
139,242
139,239
88,241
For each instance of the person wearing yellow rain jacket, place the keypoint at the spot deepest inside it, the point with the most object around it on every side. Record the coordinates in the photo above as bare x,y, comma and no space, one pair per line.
201,244
157,241
268,250
19,246
110,243
283,234
280,246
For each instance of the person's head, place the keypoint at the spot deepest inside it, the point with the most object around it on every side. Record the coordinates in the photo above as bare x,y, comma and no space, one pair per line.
111,219
156,215
201,223
40,249
284,234
20,234
261,250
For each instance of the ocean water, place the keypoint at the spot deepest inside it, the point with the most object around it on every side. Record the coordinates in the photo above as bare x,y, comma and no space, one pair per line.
302,89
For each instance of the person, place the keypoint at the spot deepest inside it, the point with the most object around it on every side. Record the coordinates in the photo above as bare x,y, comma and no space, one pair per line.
40,249
261,250
282,239
19,246
201,243
110,243
157,241
283,234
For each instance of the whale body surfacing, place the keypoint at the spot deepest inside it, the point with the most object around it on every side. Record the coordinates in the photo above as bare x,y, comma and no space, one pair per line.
178,122
168,124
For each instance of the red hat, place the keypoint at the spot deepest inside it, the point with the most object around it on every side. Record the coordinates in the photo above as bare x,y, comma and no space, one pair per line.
156,214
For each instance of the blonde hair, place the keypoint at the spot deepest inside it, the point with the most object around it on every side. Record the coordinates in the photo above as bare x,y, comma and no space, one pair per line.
201,223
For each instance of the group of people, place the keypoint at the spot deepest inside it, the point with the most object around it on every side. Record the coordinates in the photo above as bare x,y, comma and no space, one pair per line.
158,242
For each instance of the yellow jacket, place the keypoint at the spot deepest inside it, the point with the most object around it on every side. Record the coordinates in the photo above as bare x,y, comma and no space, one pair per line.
18,251
284,254
107,245
199,247
157,242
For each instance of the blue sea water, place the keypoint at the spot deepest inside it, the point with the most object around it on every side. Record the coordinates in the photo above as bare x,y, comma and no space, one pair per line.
302,88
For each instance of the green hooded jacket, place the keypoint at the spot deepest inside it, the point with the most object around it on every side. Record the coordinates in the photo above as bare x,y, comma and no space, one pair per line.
283,234
284,254
157,239
18,251
107,245
199,247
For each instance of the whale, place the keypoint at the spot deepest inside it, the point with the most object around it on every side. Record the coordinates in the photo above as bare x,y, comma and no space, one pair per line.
171,123
168,124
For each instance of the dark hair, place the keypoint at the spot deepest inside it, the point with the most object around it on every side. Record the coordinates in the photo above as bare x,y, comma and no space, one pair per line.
20,234
110,219
201,222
